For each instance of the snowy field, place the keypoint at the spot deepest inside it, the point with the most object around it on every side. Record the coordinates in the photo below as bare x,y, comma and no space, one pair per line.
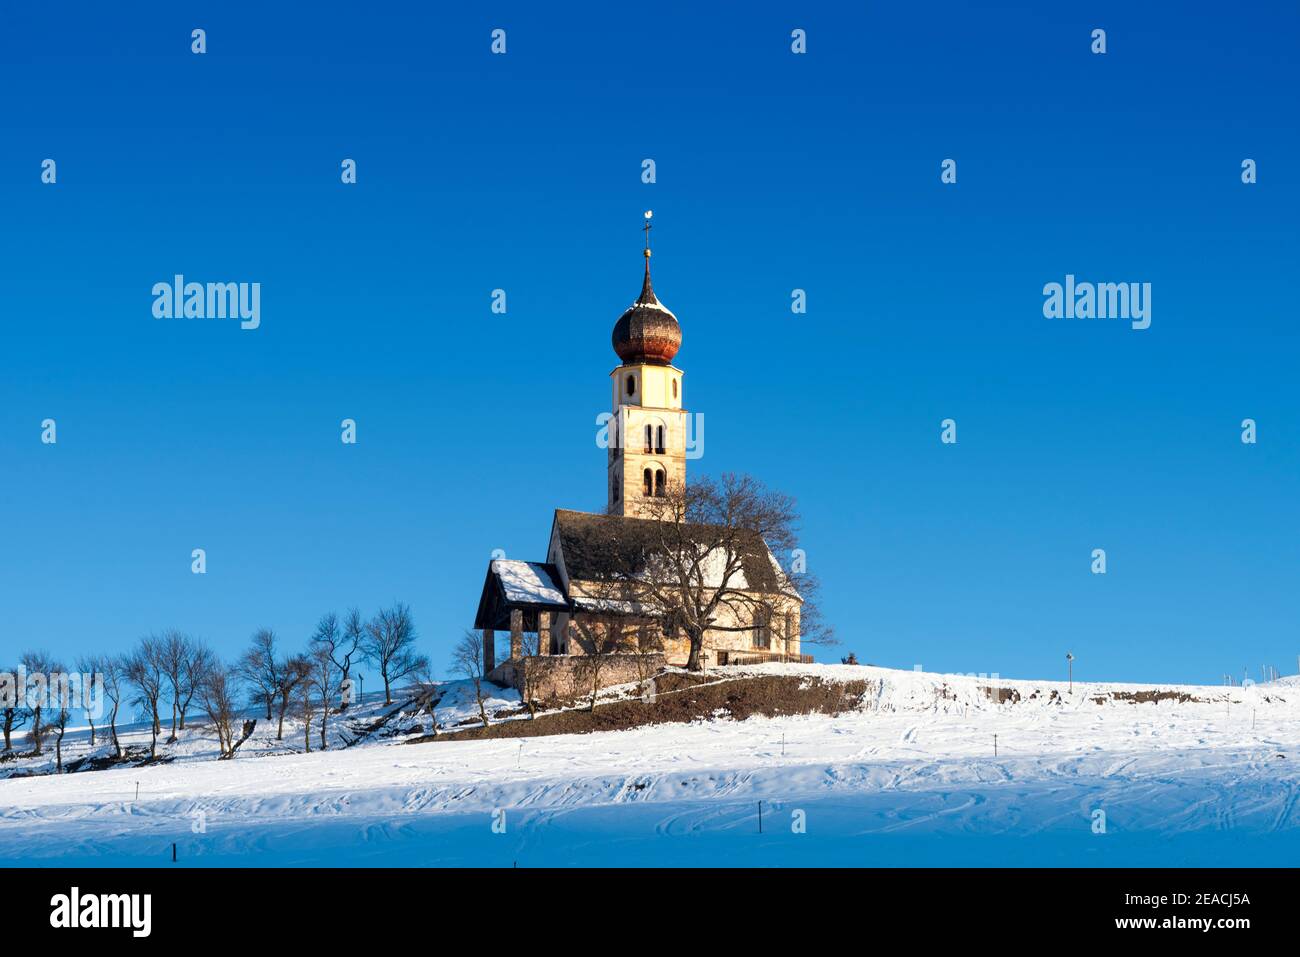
909,779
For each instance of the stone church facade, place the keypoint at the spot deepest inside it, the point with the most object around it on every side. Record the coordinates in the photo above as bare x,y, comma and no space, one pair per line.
551,615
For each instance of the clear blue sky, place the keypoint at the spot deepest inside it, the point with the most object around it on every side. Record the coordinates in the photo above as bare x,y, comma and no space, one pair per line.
775,171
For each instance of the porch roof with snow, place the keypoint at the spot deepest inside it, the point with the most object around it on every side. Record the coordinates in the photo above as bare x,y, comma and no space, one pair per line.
529,587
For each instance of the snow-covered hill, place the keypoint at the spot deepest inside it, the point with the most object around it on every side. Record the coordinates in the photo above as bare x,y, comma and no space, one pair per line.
1180,774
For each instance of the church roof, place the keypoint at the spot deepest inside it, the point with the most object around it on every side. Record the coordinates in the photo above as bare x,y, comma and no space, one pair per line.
527,582
528,586
601,547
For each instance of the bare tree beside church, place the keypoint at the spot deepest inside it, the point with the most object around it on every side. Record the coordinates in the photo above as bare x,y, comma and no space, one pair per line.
648,644
531,647
600,638
706,561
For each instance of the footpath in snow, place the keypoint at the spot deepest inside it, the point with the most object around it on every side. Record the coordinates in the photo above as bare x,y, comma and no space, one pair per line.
1105,774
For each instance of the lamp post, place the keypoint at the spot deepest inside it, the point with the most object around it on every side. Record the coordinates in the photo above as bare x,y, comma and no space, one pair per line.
1070,664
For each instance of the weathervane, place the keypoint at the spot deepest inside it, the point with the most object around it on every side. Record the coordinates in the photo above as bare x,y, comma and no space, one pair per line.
649,213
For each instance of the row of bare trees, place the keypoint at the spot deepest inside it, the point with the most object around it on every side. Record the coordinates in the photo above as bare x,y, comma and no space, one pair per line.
167,675
48,706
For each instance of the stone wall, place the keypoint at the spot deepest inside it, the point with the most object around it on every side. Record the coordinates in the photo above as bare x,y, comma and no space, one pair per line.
557,679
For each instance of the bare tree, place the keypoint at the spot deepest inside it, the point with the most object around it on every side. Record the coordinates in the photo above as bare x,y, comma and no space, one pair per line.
59,722
58,697
427,694
40,667
706,559
342,642
599,637
293,672
13,716
322,681
305,708
258,667
422,678
271,678
195,665
113,670
87,667
390,643
467,661
648,644
144,671
173,649
531,676
183,661
216,692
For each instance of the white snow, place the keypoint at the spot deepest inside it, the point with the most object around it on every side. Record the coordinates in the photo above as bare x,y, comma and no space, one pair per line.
652,305
527,582
908,778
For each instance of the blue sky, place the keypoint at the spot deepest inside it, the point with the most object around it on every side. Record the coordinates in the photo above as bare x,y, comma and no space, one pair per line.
774,172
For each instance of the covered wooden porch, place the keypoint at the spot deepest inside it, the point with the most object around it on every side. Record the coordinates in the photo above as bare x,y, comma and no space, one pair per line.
522,598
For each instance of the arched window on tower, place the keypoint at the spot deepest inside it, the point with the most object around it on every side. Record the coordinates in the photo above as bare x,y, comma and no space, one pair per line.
646,487
631,384
659,483
659,439
649,439
674,388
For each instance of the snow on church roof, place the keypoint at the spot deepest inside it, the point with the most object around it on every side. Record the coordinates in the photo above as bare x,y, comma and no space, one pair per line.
527,582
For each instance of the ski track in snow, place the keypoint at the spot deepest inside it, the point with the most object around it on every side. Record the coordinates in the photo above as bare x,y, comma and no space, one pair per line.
909,779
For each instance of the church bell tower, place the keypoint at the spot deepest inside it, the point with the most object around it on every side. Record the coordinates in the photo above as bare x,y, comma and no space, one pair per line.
647,447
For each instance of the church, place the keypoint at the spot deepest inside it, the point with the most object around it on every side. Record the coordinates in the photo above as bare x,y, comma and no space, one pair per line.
594,596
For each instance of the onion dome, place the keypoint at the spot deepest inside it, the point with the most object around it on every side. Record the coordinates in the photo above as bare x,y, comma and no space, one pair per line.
647,331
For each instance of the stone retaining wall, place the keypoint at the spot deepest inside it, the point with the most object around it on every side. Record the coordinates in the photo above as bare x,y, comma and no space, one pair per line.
550,679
